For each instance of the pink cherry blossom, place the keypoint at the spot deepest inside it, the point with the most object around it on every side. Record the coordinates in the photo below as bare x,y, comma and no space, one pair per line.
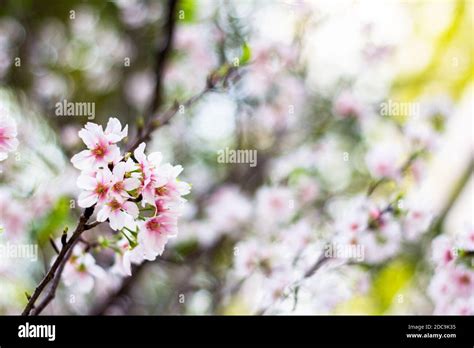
452,286
383,243
462,280
172,189
352,218
13,217
417,220
276,287
121,185
347,105
101,145
123,265
422,134
127,256
117,186
81,270
120,213
251,256
155,232
275,204
384,161
359,221
8,133
444,252
150,169
466,238
299,235
96,186
308,190
228,208
114,131
462,306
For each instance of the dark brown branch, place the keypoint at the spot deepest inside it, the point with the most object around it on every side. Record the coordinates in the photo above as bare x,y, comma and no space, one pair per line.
52,292
163,51
91,225
58,265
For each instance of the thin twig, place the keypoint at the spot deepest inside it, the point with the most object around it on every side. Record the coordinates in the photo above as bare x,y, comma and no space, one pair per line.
373,186
296,285
91,225
53,244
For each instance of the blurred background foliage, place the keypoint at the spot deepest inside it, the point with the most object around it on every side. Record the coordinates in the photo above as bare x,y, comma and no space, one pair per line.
87,60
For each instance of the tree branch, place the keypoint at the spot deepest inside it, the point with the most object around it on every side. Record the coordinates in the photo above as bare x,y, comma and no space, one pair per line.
58,265
54,274
163,50
153,123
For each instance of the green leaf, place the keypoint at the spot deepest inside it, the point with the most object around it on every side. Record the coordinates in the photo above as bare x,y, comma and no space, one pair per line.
53,221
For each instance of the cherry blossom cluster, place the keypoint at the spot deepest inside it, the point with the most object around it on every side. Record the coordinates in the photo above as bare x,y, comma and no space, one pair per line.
379,228
452,286
137,194
284,235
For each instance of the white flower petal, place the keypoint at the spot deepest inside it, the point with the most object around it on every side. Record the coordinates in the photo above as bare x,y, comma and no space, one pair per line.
87,199
117,219
131,184
155,158
83,160
86,182
103,213
131,208
119,171
139,153
89,138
